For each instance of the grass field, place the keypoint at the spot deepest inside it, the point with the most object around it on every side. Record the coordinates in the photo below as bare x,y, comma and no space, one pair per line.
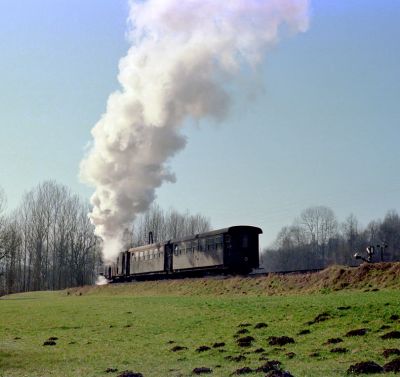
117,327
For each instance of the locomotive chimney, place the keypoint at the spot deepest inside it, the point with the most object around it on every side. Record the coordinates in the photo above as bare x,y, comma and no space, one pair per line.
151,238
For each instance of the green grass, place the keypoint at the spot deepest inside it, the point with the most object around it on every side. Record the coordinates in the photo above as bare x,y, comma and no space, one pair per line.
129,332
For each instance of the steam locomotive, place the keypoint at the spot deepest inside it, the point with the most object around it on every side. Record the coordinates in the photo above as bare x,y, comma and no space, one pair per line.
230,250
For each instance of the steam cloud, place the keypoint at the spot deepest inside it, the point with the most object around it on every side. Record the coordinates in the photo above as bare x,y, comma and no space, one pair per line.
182,58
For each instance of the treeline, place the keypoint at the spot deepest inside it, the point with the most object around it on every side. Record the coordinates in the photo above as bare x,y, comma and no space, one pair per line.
316,239
165,225
48,242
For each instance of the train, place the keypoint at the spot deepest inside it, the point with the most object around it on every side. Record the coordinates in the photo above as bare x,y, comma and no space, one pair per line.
233,250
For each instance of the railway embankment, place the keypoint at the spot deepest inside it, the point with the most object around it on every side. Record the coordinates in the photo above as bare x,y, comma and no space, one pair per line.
366,277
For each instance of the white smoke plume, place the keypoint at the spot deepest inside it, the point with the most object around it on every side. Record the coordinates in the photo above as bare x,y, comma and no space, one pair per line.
184,55
101,280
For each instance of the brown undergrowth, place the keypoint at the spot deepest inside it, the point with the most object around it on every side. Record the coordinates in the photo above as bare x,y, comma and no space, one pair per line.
367,277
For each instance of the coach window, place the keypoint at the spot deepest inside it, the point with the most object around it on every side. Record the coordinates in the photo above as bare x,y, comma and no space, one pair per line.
219,242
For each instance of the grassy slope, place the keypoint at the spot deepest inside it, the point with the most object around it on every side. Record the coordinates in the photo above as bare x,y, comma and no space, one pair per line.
128,327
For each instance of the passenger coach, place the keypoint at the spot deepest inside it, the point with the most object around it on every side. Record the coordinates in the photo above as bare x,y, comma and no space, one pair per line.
232,250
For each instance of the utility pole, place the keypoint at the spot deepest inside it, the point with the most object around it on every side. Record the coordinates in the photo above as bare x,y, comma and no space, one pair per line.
382,248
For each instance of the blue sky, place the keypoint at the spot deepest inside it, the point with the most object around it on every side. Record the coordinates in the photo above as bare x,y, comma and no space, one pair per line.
324,131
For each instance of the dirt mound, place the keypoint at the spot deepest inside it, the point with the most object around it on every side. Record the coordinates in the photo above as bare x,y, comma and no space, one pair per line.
394,317
244,370
237,358
390,352
260,325
304,332
129,373
218,345
393,366
279,340
242,331
320,318
178,348
244,324
391,335
339,350
203,349
365,367
111,370
259,350
356,332
279,373
269,366
49,343
202,370
245,341
290,355
334,340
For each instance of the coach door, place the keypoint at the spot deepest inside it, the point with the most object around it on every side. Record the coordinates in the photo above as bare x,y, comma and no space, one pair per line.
128,263
168,257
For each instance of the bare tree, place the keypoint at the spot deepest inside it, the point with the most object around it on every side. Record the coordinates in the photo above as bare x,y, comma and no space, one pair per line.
3,201
389,234
319,224
50,242
166,225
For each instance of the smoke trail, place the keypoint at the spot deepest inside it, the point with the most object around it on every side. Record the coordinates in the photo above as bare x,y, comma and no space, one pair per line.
101,280
182,58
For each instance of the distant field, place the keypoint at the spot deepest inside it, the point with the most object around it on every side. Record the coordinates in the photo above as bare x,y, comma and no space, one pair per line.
135,327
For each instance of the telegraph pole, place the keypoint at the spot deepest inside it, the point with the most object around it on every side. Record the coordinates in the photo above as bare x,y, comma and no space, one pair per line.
382,248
